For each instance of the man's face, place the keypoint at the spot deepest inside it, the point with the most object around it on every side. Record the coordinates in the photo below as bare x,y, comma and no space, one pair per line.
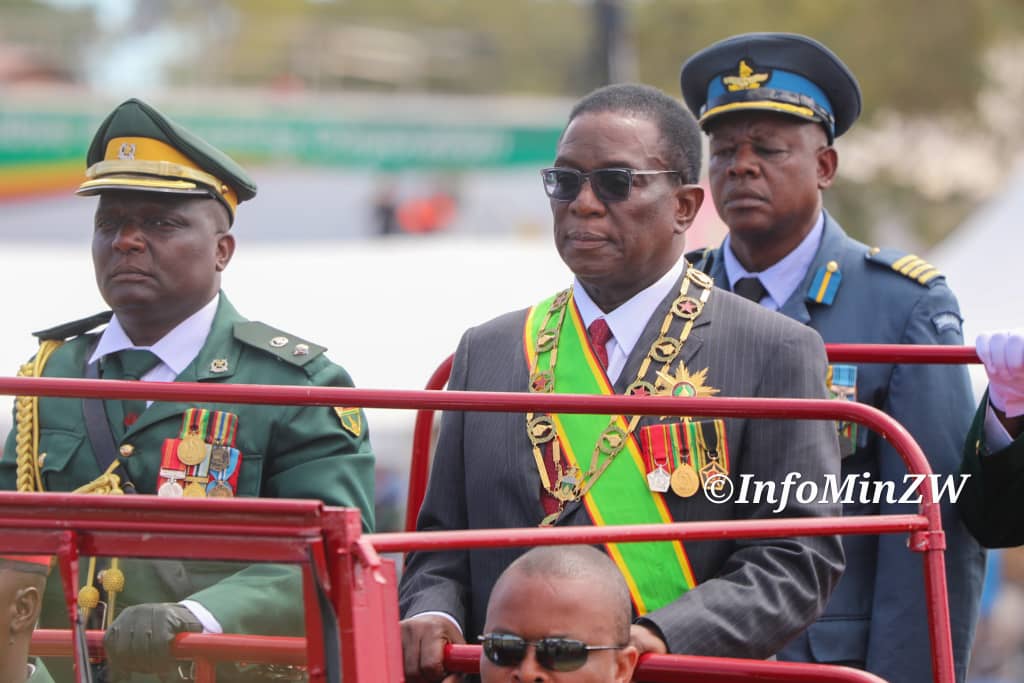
160,253
535,607
766,172
621,246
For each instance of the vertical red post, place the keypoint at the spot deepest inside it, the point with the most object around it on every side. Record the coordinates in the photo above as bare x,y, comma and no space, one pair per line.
365,598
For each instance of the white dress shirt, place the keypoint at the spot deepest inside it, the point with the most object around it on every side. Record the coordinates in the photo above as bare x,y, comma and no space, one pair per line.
781,279
176,350
628,321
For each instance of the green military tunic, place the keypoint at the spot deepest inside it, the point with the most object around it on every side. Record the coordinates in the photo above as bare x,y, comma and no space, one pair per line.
991,501
287,452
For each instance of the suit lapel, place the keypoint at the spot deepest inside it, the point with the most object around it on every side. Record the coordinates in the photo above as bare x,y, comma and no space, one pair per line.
650,334
219,346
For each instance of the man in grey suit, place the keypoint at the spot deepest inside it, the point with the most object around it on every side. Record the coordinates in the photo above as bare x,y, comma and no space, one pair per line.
772,105
635,320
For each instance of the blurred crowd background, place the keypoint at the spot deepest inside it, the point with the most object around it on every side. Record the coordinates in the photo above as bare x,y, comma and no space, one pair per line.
397,142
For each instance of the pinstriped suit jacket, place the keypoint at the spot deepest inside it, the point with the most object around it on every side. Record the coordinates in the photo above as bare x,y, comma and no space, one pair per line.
753,595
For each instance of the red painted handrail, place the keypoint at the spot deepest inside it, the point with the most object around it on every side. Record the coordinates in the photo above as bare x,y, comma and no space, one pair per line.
40,533
419,464
654,668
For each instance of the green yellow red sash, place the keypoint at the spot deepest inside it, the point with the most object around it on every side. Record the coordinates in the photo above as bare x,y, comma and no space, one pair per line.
656,573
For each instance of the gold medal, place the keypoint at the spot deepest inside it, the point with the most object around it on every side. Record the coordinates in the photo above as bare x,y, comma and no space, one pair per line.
221,490
195,490
220,458
685,481
192,449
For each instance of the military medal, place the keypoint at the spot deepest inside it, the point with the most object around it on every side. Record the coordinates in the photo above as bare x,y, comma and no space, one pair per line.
195,490
171,488
192,449
685,481
224,457
220,456
221,490
706,442
842,385
658,480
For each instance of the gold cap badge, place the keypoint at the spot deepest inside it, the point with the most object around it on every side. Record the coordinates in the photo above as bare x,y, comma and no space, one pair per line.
745,78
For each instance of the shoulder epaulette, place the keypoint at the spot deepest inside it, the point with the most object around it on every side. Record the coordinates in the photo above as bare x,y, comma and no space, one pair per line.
908,265
283,345
74,328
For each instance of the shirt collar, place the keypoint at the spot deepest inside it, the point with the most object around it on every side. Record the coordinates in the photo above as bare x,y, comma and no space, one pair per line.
176,349
780,279
627,322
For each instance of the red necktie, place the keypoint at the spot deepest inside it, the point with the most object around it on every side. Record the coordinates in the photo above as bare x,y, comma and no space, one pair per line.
600,334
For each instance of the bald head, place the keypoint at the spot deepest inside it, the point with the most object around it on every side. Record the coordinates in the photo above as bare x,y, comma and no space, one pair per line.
579,563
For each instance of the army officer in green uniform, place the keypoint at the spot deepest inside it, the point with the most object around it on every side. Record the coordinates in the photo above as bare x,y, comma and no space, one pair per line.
161,240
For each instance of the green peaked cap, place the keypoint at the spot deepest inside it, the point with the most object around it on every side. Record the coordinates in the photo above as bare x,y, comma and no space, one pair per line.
138,148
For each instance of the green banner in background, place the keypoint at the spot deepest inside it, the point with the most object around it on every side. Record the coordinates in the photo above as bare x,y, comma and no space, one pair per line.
31,138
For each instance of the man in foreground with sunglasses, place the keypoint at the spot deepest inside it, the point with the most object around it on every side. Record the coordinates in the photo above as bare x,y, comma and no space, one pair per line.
559,613
634,321
772,104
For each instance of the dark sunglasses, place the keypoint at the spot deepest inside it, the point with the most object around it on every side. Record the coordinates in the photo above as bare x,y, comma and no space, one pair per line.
554,654
609,184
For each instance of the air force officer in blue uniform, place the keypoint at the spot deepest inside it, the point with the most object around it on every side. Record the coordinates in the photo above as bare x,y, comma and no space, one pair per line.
772,105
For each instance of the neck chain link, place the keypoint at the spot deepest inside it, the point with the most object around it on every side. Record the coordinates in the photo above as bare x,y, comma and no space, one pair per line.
570,482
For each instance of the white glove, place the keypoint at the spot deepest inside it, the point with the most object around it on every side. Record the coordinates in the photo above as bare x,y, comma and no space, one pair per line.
1003,356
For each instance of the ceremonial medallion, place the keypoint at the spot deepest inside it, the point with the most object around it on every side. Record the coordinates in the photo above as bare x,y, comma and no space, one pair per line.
640,388
665,349
685,481
700,278
541,429
568,487
192,449
546,340
658,480
687,307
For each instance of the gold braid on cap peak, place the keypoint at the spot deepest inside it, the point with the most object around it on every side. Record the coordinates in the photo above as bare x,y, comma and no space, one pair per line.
136,162
26,415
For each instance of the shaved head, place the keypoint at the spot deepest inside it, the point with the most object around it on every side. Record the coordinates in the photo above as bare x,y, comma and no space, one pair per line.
579,563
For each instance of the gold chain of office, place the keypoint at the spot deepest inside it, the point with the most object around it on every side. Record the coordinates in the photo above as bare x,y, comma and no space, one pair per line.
570,483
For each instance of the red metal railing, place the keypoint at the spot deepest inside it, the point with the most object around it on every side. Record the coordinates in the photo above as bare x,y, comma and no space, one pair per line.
687,668
422,437
343,559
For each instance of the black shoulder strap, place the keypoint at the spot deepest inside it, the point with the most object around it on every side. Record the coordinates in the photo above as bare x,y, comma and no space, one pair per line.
75,327
97,426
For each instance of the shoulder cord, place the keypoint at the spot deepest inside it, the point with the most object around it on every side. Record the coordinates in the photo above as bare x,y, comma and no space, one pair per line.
26,413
